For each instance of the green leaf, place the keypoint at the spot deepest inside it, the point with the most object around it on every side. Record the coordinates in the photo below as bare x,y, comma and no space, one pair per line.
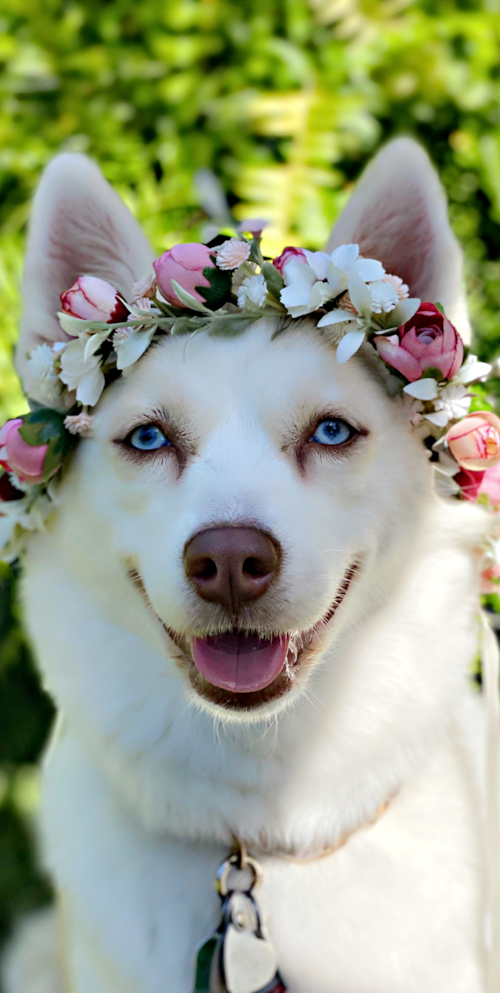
189,325
203,965
187,298
40,426
274,280
219,291
255,252
229,326
439,306
433,373
46,427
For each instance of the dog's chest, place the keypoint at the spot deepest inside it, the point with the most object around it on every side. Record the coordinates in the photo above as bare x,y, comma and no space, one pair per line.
411,882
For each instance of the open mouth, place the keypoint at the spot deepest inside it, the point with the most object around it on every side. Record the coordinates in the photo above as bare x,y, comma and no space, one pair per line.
242,670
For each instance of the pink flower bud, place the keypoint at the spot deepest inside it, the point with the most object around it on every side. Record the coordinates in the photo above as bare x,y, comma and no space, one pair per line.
475,440
288,255
185,264
254,225
93,299
26,461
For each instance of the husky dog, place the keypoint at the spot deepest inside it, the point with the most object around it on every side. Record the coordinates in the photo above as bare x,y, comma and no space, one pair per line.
362,741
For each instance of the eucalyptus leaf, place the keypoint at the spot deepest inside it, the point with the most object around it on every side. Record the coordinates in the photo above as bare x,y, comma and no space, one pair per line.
189,325
74,325
230,326
255,252
274,280
188,300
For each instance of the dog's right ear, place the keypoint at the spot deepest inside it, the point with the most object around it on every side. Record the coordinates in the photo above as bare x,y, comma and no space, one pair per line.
398,214
79,226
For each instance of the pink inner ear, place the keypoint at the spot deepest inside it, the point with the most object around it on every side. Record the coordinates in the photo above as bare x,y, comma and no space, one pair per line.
398,230
79,227
398,214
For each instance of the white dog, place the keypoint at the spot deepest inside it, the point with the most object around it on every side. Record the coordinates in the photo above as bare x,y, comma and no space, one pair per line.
366,747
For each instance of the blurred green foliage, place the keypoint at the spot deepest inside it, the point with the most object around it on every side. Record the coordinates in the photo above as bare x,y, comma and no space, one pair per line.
285,100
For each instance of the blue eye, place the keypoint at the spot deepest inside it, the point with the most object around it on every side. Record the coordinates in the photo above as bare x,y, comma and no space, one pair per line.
332,432
148,437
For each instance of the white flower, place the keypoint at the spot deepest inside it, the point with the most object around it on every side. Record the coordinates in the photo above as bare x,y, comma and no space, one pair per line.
79,424
309,285
232,253
402,290
82,372
422,389
452,403
303,292
355,325
338,266
130,344
43,381
384,297
253,289
141,303
145,287
472,370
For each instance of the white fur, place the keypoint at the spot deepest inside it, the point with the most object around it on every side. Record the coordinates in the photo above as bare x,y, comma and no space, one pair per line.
144,782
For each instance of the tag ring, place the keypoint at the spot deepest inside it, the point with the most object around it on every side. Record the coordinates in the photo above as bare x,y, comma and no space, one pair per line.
239,860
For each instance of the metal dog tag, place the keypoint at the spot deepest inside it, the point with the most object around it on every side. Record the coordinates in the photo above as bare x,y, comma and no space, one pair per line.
238,958
249,961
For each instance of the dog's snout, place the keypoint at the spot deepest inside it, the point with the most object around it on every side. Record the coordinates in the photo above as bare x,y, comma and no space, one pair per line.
232,566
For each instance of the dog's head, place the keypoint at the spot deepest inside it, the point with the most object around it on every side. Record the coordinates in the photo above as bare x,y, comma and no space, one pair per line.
256,495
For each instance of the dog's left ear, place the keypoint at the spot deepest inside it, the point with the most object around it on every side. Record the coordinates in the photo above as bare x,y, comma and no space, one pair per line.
398,214
79,226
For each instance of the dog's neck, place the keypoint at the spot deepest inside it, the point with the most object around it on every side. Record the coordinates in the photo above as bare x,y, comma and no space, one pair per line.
372,712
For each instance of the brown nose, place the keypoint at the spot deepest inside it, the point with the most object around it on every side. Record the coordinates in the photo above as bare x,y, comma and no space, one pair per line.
231,565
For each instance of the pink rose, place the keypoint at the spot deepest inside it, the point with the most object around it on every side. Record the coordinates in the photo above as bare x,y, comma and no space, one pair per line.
288,255
26,461
475,440
185,264
93,299
427,341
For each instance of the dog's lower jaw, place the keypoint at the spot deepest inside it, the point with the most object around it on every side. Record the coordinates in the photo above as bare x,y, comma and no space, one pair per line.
305,648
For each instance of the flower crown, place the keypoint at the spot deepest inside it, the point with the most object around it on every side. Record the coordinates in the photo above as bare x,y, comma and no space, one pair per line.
221,288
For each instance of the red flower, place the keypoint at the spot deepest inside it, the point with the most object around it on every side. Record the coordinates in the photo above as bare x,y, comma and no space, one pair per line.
289,254
8,491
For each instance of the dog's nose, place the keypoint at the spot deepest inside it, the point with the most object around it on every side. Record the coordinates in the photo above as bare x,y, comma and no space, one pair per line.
231,565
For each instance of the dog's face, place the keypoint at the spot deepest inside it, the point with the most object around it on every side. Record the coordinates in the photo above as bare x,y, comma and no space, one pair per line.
251,487
258,495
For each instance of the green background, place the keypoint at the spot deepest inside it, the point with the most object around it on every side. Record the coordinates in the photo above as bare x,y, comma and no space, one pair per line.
285,100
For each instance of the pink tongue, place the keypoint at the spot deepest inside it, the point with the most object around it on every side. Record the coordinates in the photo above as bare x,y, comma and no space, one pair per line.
238,662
